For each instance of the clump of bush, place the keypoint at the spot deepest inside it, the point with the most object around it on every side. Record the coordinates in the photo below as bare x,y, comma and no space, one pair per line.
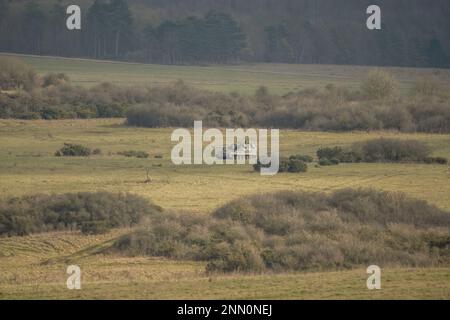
304,158
134,154
333,156
292,231
329,156
55,79
436,160
97,151
379,84
328,162
73,150
16,75
285,165
293,166
392,150
88,212
380,150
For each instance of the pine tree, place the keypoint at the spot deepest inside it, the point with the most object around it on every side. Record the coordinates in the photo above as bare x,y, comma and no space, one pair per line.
34,26
277,47
121,23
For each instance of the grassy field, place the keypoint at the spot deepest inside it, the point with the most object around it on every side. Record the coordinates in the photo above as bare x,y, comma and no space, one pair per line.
34,266
28,166
245,78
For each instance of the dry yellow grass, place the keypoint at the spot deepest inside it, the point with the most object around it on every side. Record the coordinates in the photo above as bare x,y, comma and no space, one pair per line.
28,166
34,266
28,273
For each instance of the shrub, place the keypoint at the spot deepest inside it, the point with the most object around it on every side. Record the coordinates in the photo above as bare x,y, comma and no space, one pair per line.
427,87
15,74
73,150
436,160
379,85
330,153
94,227
441,160
238,211
334,161
134,154
304,158
285,165
379,150
292,231
336,155
54,79
325,162
177,104
97,151
350,157
297,166
392,150
180,236
88,212
241,257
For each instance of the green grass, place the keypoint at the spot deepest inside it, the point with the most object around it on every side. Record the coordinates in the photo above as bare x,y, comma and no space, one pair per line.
244,78
34,266
28,166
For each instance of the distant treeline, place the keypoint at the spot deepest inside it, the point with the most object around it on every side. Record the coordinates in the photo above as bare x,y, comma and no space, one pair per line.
218,31
376,105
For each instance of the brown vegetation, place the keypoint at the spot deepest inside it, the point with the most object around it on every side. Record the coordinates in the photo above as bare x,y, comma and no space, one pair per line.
301,231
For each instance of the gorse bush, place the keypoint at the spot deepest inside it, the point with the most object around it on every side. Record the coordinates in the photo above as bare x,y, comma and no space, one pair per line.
392,150
329,153
134,154
286,165
73,150
295,166
380,150
326,162
333,156
436,160
291,231
88,212
304,158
